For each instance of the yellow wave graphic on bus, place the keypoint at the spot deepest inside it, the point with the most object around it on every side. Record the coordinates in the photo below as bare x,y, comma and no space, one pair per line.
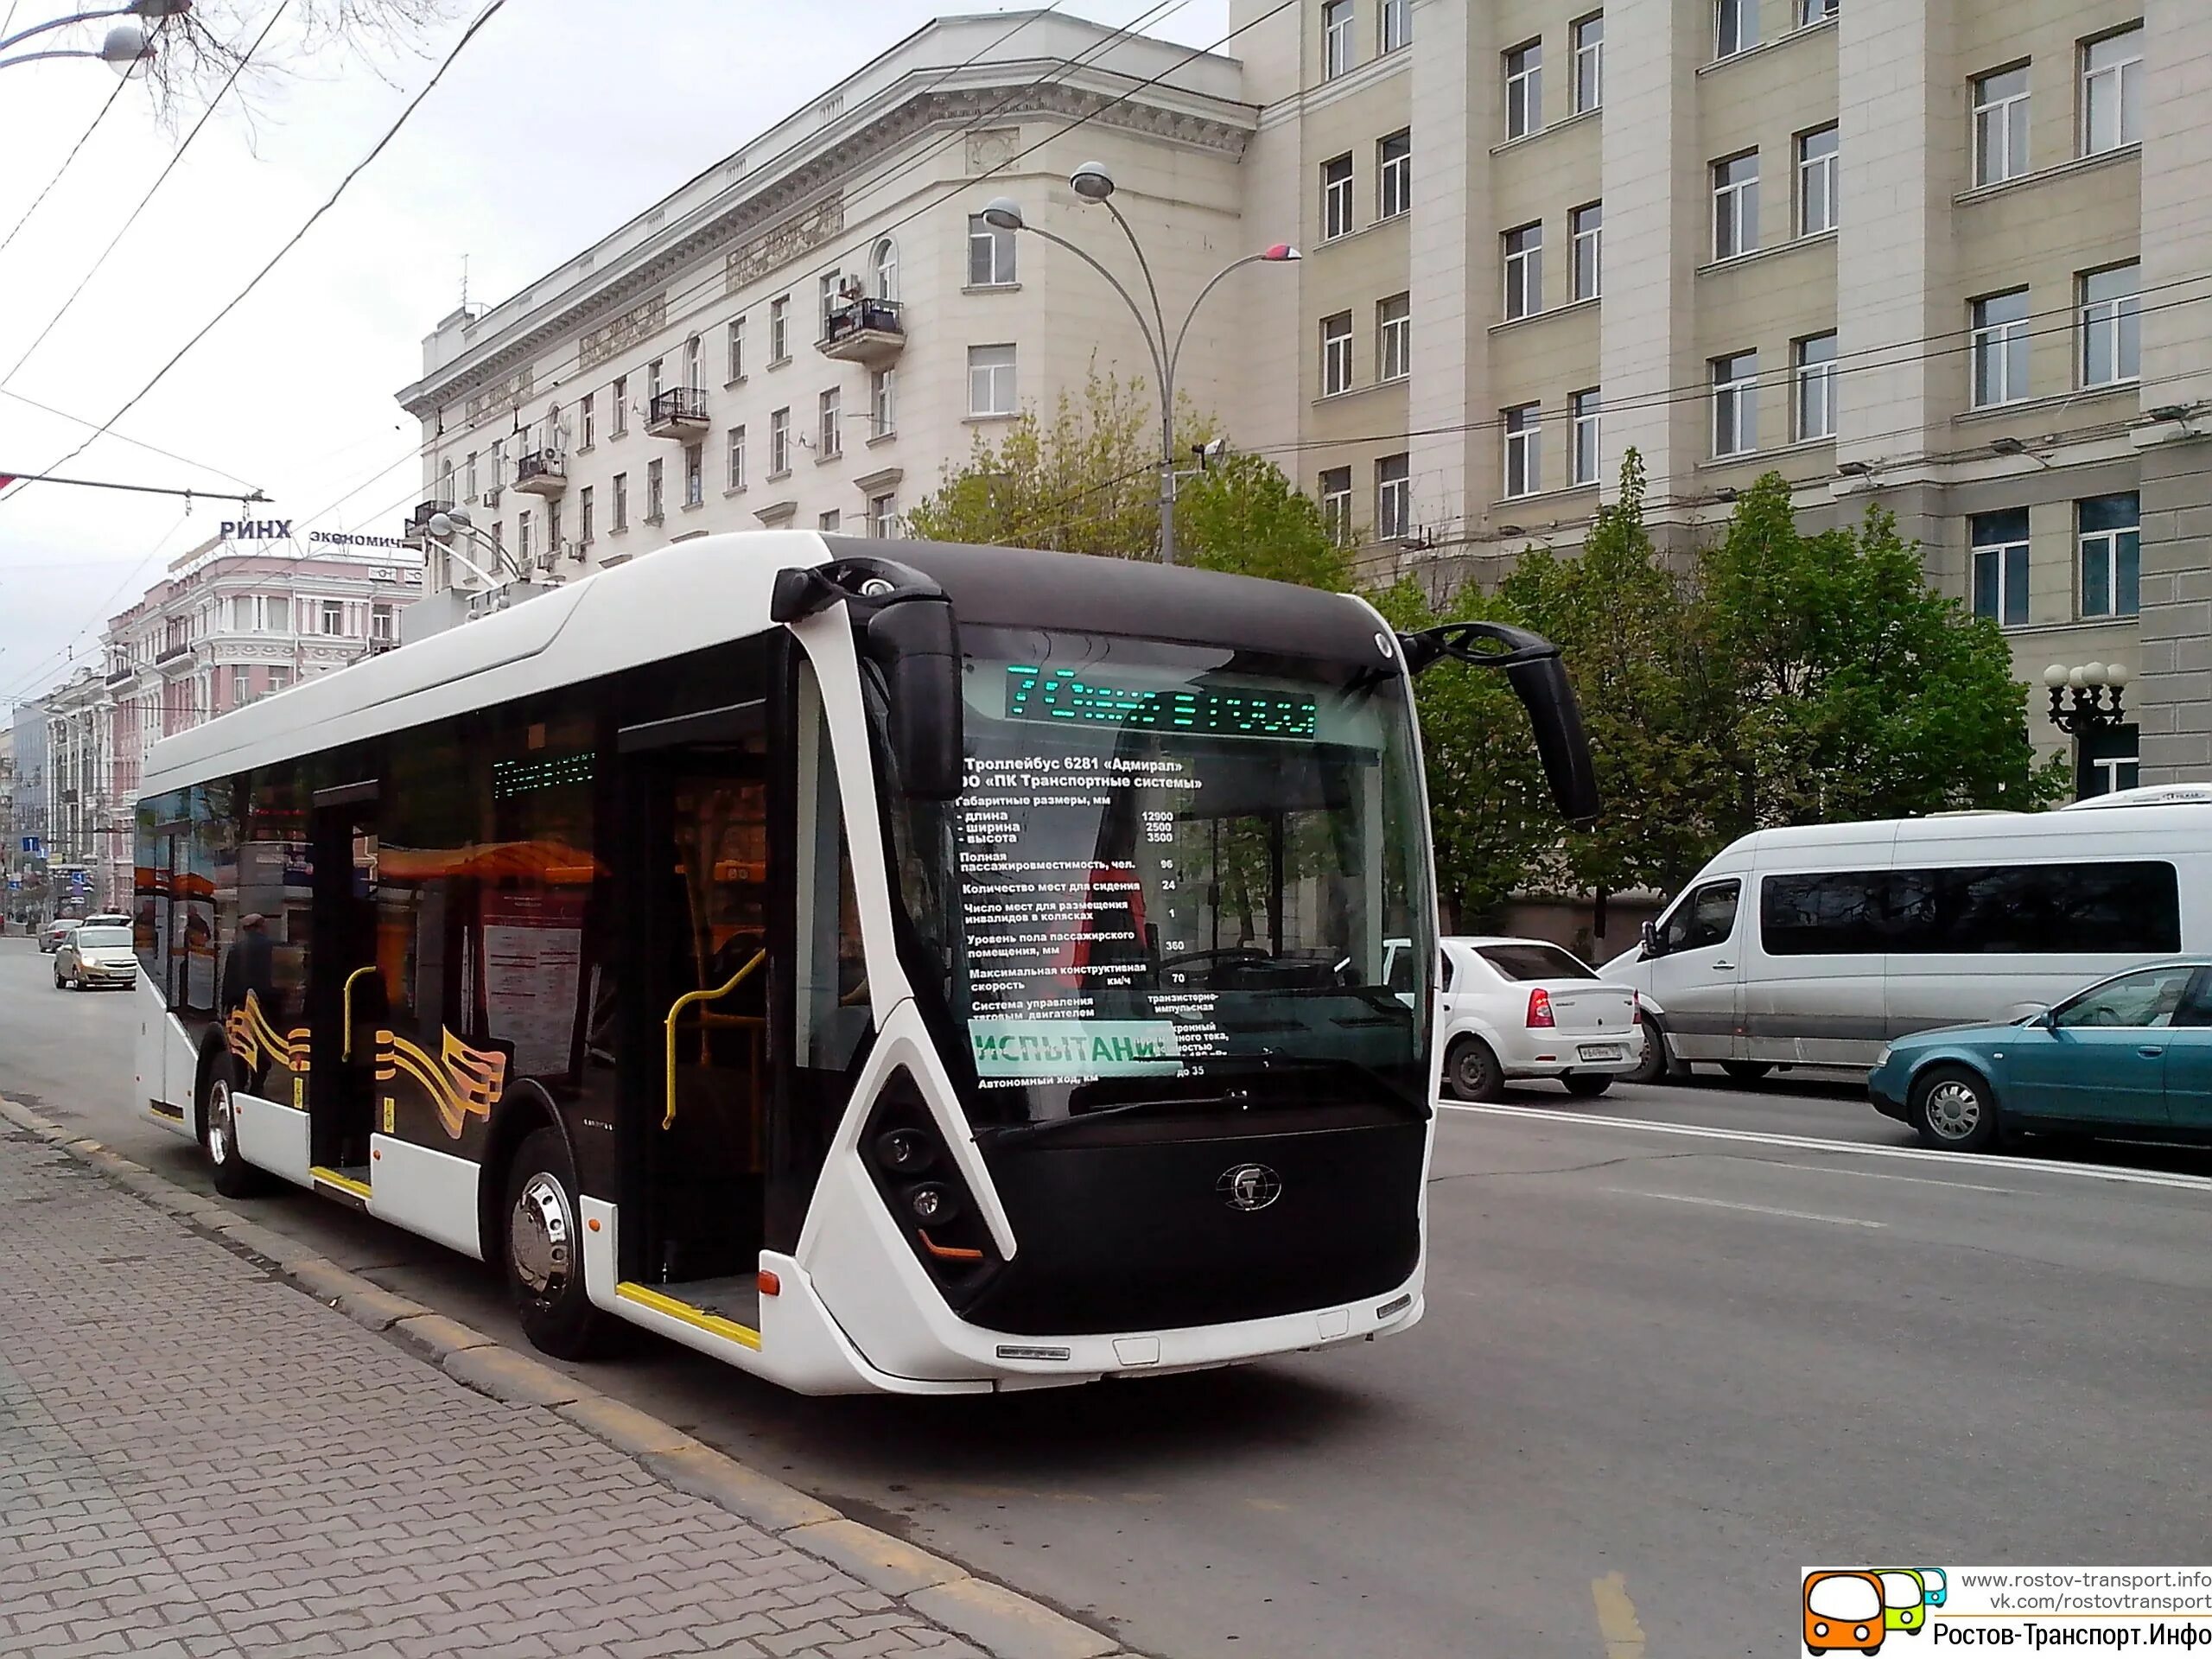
249,1035
462,1082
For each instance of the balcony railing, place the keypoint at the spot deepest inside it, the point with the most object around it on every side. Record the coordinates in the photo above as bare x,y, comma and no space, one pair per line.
419,519
543,472
865,331
679,412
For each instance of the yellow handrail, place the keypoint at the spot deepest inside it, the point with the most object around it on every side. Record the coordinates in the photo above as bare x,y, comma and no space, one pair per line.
346,996
685,1001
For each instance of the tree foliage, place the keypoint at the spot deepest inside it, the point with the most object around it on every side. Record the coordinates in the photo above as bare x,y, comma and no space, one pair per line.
219,48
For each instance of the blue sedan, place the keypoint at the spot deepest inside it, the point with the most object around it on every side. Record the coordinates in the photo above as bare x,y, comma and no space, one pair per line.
2130,1056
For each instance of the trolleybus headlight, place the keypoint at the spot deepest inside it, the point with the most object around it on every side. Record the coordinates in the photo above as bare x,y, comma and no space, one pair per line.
933,1203
905,1152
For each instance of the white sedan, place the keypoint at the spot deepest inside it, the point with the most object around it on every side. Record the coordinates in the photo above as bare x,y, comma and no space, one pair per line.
1517,1008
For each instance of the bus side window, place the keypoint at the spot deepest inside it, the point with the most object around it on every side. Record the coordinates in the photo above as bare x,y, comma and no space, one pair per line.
1707,917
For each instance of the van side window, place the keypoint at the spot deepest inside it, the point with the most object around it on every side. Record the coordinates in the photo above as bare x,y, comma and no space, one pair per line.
1443,970
1834,913
1707,917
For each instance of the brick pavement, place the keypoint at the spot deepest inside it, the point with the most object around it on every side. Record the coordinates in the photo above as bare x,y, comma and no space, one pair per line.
197,1459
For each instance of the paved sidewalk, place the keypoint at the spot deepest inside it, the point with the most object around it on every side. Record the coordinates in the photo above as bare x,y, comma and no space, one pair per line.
196,1459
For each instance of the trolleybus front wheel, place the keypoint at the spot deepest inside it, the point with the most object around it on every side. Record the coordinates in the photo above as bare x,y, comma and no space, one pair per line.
544,1252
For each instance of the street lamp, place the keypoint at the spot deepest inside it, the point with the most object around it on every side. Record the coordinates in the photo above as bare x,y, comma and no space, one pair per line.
2078,708
1093,183
444,526
128,47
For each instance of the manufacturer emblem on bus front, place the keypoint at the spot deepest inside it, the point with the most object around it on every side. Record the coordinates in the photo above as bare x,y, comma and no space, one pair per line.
1248,1186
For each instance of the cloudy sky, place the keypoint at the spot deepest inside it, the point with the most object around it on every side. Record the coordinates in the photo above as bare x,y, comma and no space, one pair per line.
560,120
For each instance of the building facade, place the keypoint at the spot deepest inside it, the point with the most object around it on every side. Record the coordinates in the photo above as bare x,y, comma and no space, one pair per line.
232,622
30,792
1953,260
810,332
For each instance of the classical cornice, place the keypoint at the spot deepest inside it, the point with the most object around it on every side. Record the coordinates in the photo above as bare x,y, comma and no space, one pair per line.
626,292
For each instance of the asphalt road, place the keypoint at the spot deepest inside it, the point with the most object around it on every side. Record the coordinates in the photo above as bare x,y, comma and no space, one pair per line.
1680,1343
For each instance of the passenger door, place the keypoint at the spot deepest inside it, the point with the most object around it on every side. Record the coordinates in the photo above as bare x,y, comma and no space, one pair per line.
346,994
2189,1058
2101,1057
1697,976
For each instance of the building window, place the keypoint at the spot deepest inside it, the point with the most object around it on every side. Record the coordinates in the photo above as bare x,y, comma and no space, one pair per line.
552,530
620,517
1336,503
1336,21
1736,404
886,264
828,523
1583,406
653,495
1393,497
1393,337
779,444
883,517
825,302
990,254
736,459
1587,36
1524,271
334,616
1524,89
780,330
2109,529
1815,11
2111,760
618,416
1393,25
584,516
733,344
1394,174
883,403
445,486
1736,206
1524,460
2000,566
2000,125
1336,353
2112,330
652,382
694,364
242,678
1735,26
2001,348
588,419
1336,198
1815,369
694,475
522,551
830,428
470,467
1586,249
2112,92
1816,181
990,380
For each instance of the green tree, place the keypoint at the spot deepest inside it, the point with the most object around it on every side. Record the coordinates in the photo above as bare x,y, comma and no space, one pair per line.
1243,515
1859,692
1086,480
1495,827
1626,626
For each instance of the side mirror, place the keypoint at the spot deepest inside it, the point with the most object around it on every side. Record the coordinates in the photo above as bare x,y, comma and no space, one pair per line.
918,642
2044,1019
1652,946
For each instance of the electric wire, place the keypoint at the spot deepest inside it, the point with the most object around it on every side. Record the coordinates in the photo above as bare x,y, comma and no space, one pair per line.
37,200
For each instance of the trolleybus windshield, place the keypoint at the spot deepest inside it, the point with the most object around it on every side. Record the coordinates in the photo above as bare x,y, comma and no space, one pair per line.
1170,877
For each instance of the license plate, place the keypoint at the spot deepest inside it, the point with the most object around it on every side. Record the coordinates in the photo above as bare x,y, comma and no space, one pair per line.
1602,1052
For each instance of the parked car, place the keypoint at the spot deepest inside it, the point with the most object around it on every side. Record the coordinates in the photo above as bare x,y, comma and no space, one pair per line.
2130,1056
50,936
1517,1008
1815,944
93,955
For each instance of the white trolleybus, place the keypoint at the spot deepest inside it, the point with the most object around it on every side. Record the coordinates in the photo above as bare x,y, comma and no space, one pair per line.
879,965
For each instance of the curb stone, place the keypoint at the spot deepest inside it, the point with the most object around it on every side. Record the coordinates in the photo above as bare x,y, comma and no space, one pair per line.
1005,1623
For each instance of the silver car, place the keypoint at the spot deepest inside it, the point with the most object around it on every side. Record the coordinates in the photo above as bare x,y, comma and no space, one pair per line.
95,956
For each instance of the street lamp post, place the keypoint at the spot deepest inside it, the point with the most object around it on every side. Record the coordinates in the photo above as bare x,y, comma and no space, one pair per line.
1093,183
128,45
2078,706
450,522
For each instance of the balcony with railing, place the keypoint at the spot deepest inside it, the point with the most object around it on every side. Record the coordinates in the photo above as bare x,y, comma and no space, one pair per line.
542,472
418,520
679,412
873,332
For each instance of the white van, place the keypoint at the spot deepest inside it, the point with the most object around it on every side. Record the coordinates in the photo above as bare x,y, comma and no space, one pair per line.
1815,946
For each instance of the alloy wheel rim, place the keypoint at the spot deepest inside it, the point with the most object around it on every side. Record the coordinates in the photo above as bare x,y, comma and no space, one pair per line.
541,1237
1954,1110
219,1124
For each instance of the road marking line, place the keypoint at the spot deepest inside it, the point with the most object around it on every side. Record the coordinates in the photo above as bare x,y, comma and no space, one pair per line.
1616,1620
1920,1154
1882,1175
1754,1209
